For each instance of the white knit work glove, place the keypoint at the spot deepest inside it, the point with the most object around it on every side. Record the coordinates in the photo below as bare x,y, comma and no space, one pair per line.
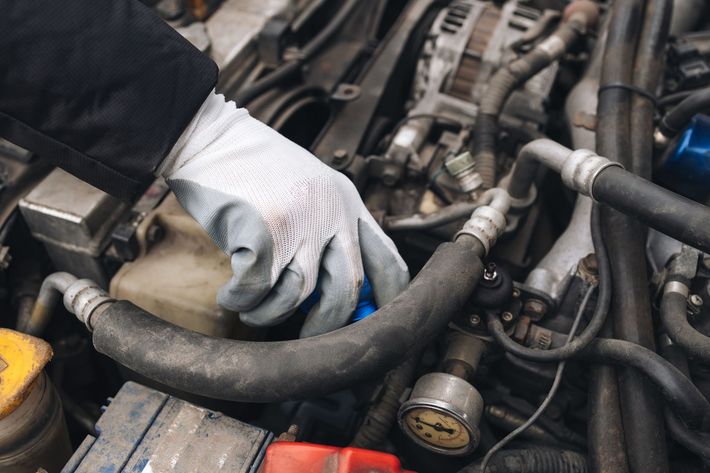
283,216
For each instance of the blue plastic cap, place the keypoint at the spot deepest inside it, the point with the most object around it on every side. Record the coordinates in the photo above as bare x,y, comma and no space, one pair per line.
365,303
687,169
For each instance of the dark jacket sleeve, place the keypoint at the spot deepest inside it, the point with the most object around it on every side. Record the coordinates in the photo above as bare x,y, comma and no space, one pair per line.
102,88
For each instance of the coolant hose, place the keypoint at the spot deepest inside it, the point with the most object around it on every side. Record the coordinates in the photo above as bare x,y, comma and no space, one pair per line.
593,175
533,460
683,397
295,369
696,442
655,206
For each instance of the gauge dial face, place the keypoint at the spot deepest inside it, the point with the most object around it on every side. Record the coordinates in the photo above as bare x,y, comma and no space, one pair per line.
437,428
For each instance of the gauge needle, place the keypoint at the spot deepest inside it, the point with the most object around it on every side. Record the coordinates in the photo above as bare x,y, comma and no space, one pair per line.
438,427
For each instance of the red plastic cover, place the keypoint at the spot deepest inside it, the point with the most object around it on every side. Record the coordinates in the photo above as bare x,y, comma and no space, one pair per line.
298,457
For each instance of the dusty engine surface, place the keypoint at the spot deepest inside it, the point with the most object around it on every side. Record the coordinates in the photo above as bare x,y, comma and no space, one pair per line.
549,198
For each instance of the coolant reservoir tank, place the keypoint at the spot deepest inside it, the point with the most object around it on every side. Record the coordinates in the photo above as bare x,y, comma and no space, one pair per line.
33,434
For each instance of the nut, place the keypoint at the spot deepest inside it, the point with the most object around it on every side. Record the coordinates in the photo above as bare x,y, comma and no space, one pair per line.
695,300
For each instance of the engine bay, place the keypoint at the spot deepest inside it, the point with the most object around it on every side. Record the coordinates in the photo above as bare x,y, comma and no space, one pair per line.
542,167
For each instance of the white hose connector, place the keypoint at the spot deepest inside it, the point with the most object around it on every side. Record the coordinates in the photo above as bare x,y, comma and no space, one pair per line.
82,299
488,222
581,168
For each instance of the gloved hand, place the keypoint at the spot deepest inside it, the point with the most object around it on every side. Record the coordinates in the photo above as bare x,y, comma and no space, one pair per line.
283,216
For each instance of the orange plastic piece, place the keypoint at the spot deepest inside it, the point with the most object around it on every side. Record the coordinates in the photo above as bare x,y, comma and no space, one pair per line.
298,457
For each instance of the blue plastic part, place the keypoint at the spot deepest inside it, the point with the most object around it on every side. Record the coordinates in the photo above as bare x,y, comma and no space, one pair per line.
365,303
687,168
143,430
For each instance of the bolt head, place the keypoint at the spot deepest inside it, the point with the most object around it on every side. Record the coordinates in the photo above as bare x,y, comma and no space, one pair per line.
340,155
474,320
696,300
490,274
506,317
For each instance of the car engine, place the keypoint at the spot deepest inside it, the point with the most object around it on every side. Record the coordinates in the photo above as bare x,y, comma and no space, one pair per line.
542,167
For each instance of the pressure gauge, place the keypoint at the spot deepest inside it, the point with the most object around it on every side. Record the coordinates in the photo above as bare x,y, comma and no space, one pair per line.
442,414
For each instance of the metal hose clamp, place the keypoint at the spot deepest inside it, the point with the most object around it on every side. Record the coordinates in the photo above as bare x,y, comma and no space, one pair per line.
488,222
581,168
82,299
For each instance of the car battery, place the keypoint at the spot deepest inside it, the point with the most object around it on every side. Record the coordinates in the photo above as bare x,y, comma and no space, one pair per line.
145,431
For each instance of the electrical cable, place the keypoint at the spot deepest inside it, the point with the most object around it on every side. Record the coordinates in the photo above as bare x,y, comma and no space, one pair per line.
550,395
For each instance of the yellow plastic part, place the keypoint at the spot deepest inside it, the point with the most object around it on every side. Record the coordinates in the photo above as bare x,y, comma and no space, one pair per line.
22,359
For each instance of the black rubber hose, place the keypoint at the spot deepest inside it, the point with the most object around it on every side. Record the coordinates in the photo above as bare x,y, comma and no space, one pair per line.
533,460
502,85
648,72
296,369
496,329
674,307
677,118
659,208
696,442
680,393
605,432
380,418
630,308
282,72
290,68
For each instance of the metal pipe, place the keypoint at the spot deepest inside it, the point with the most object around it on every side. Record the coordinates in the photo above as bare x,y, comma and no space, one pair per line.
50,293
446,215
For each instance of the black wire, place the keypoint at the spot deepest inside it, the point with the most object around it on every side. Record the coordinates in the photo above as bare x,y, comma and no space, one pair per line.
550,395
495,327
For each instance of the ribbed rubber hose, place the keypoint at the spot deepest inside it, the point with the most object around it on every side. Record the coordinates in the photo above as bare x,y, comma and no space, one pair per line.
533,460
380,418
499,89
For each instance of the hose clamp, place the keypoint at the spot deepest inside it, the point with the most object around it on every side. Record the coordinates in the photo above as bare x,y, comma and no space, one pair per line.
676,287
581,168
486,225
553,47
82,299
